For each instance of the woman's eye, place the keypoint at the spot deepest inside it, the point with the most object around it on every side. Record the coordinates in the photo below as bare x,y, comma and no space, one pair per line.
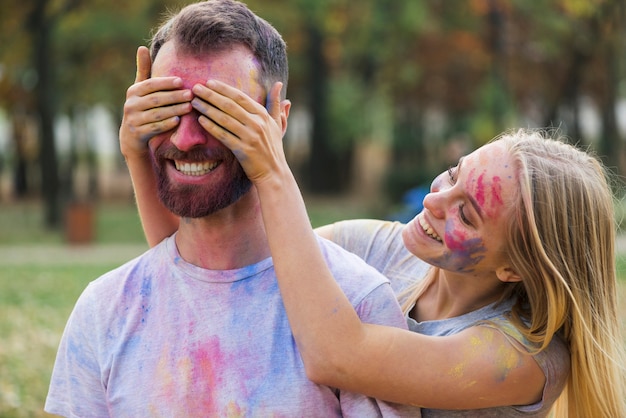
462,215
452,174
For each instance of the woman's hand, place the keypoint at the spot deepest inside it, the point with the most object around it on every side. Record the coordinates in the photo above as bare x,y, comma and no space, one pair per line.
252,132
153,106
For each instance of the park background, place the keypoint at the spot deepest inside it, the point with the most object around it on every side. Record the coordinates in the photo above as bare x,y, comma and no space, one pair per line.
385,93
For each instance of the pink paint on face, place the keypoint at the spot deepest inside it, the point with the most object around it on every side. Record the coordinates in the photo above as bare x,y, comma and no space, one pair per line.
464,250
200,196
467,208
486,192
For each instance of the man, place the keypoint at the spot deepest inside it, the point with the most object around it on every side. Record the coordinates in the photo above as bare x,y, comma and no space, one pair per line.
195,326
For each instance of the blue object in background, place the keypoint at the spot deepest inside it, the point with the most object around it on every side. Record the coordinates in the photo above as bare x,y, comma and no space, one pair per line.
412,202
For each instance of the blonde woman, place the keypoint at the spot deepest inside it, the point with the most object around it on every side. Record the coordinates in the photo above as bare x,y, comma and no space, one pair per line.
515,313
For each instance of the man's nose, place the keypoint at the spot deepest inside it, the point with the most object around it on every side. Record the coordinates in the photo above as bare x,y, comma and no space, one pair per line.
189,132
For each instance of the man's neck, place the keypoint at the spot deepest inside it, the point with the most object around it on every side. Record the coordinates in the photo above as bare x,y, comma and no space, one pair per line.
232,238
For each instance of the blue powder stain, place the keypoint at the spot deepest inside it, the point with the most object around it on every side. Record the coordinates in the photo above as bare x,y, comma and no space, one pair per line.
146,287
145,292
252,287
466,257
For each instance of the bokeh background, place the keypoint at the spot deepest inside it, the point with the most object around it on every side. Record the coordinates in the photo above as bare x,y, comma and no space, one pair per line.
386,94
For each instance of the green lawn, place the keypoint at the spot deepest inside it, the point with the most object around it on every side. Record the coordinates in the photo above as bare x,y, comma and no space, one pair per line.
35,301
37,296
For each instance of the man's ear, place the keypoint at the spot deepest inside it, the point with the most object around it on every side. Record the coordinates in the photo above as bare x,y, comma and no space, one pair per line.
285,107
507,275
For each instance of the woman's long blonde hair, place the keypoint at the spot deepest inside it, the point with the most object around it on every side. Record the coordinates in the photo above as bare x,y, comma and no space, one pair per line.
561,241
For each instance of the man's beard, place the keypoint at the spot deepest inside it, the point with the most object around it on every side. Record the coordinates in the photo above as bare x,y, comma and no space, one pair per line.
197,201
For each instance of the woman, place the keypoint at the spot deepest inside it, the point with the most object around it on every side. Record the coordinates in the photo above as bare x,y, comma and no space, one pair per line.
522,287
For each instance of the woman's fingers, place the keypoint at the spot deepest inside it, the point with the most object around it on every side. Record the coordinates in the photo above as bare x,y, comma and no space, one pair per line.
273,103
144,64
237,112
252,132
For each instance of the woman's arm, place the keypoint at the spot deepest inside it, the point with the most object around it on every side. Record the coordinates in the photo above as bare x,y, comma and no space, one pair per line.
153,106
326,231
476,368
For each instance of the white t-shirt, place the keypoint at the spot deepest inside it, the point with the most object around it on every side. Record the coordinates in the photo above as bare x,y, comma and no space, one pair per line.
159,337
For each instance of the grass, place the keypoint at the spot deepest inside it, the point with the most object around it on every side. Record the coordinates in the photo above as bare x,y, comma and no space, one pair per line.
113,223
36,297
35,301
119,223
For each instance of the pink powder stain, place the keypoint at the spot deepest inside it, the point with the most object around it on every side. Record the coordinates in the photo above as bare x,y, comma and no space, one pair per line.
206,360
454,237
487,194
189,383
479,192
464,250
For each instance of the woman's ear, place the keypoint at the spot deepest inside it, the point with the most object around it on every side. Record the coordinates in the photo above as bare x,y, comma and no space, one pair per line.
507,275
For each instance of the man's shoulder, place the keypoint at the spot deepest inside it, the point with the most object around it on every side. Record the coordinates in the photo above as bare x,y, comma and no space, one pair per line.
333,252
348,267
130,268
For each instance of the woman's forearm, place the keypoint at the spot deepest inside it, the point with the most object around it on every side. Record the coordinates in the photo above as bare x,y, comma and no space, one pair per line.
157,222
327,323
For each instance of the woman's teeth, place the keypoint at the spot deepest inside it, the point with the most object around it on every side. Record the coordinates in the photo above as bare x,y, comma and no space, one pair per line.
194,169
427,228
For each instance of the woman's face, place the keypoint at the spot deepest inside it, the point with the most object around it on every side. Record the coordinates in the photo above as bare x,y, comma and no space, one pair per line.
462,226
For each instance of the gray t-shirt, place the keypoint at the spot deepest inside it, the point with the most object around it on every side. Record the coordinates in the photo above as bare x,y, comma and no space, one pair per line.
380,244
161,337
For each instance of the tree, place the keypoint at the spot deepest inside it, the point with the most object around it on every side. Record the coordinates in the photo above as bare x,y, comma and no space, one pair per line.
78,56
41,24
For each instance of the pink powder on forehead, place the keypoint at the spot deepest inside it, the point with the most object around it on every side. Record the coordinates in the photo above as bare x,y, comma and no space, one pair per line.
488,194
480,191
493,197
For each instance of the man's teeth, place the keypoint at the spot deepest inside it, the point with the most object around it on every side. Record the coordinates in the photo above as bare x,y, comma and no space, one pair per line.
194,169
429,231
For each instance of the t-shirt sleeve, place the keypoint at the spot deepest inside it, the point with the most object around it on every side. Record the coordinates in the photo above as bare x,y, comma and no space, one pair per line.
76,388
380,244
378,307
554,361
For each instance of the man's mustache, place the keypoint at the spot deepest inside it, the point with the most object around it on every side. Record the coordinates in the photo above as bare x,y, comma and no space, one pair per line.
198,154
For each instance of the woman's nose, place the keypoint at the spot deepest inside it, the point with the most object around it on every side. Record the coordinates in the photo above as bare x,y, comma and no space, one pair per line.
189,133
435,201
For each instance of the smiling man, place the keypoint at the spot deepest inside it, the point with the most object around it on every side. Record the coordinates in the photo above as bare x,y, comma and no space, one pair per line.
196,326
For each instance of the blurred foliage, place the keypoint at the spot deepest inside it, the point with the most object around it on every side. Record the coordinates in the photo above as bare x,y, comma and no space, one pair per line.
413,74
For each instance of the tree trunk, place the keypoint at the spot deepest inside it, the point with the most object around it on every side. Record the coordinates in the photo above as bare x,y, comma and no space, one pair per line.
610,141
322,168
42,32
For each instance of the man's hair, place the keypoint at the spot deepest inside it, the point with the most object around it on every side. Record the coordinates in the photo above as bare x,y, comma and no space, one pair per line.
216,25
